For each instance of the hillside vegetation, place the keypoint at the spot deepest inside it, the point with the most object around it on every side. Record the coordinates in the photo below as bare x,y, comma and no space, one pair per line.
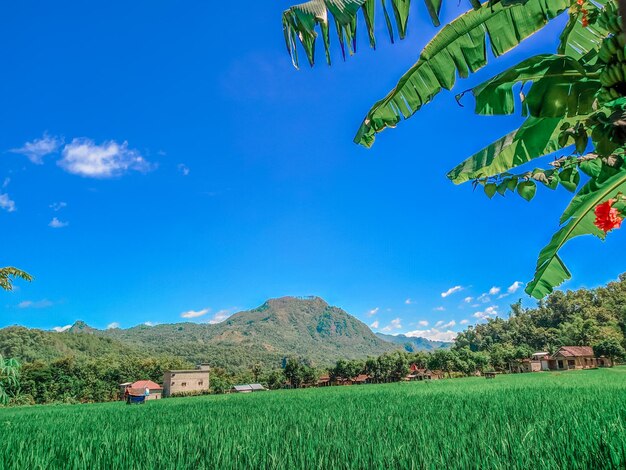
579,317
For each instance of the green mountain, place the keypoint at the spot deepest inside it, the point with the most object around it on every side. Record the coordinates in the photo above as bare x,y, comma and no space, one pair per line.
412,344
288,326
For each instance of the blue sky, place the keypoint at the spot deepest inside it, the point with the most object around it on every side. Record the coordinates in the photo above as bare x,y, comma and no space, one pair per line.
190,169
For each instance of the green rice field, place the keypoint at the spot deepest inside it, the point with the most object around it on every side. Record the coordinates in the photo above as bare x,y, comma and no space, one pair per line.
573,420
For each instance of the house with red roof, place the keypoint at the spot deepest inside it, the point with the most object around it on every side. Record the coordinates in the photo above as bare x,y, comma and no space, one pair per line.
572,357
148,388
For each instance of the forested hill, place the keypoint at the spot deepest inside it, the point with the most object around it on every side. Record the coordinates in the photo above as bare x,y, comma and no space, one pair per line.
580,317
288,326
415,344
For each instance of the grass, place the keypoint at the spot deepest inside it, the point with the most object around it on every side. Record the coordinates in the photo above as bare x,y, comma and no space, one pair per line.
571,420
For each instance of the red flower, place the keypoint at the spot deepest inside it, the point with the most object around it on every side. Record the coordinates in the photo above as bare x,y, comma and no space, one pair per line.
607,217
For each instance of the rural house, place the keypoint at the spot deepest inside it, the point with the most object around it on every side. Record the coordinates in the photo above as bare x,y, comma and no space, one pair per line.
571,357
417,373
155,391
186,381
324,381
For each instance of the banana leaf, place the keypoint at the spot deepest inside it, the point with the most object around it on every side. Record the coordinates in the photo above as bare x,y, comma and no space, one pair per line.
459,48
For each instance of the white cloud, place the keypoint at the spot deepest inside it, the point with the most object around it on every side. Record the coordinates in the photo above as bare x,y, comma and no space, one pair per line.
439,309
439,323
494,290
45,303
57,206
149,323
422,323
408,301
7,203
468,299
451,291
195,313
85,158
450,324
464,322
61,329
514,287
487,313
39,148
221,316
484,298
183,169
375,324
56,223
433,334
373,312
394,325
112,326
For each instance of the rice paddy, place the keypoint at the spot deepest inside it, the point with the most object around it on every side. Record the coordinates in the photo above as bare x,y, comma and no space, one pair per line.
569,420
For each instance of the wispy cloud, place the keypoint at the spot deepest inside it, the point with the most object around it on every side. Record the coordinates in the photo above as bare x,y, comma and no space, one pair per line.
195,313
464,321
375,324
6,203
44,303
39,148
221,315
451,291
113,326
56,223
494,290
373,312
395,324
484,298
433,334
439,309
408,301
183,169
61,329
85,158
514,287
422,323
489,312
57,206
468,300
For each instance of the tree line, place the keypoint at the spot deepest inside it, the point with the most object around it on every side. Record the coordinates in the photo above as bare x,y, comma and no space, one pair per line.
584,317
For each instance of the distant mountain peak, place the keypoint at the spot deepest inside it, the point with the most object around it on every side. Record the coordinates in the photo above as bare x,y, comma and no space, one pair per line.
414,344
80,326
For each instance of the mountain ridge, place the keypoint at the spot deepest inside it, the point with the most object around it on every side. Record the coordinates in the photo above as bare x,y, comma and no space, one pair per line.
306,327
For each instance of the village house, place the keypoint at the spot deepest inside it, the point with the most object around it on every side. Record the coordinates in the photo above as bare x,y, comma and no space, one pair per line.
361,379
323,381
155,391
569,357
417,373
186,381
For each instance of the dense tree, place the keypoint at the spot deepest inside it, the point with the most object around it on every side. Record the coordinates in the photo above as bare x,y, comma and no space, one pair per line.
609,348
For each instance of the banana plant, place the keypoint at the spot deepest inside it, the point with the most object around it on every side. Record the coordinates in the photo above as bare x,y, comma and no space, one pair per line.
9,377
9,273
574,102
